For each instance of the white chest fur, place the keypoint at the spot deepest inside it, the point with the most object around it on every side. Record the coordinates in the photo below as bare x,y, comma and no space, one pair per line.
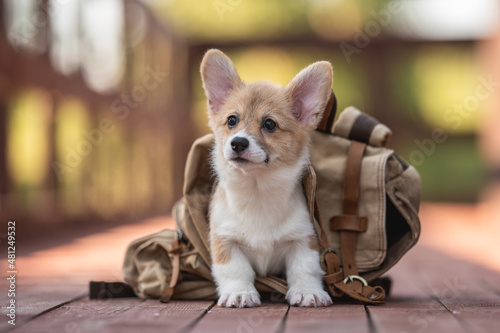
262,214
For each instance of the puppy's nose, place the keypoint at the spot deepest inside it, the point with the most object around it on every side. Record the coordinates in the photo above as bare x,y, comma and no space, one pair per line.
239,144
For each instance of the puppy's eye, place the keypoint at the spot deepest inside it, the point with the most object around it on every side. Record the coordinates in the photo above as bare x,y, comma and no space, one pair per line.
232,121
269,125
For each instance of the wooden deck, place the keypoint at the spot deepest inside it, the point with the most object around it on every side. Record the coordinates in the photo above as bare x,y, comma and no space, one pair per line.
432,292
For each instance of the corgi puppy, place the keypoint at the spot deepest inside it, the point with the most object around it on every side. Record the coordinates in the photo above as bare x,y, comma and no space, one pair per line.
259,220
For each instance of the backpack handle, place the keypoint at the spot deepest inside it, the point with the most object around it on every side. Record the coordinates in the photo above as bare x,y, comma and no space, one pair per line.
328,115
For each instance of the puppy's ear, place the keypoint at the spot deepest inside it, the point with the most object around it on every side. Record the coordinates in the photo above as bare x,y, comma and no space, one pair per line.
310,91
219,78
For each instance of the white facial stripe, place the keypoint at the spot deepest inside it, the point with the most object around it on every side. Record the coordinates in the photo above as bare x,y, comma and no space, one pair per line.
254,153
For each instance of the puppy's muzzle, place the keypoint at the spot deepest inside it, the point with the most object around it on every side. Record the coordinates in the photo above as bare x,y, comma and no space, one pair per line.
239,144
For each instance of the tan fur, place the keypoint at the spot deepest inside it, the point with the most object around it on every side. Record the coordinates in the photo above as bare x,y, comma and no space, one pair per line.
221,251
314,243
257,102
219,247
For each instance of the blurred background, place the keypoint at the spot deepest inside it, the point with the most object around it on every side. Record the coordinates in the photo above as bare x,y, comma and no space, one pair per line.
100,100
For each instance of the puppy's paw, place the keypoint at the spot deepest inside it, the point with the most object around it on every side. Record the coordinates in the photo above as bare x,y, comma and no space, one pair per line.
308,298
244,299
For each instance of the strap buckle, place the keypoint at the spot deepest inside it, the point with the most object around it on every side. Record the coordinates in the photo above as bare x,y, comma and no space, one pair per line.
322,257
351,278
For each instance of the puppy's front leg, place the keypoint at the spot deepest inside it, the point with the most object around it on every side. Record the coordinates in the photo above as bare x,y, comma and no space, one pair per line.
233,275
304,276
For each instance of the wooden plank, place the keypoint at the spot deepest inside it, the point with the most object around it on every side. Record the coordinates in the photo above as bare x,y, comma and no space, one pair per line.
336,318
154,316
431,292
460,287
451,280
77,316
491,283
266,318
118,315
409,308
413,315
32,300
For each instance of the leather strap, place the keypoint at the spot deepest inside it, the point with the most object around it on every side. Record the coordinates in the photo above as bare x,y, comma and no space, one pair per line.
106,290
323,239
348,222
334,274
362,128
274,283
350,200
176,268
328,258
328,115
346,281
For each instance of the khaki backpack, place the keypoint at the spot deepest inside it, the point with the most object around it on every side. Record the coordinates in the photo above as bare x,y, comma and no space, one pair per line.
363,201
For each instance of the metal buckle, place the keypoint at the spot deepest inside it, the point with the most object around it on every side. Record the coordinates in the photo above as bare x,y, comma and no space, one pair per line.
351,278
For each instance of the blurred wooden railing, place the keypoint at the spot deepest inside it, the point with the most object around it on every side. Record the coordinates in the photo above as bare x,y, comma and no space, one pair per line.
134,172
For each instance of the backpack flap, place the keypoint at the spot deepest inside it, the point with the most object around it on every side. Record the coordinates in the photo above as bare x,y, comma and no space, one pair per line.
328,158
403,189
